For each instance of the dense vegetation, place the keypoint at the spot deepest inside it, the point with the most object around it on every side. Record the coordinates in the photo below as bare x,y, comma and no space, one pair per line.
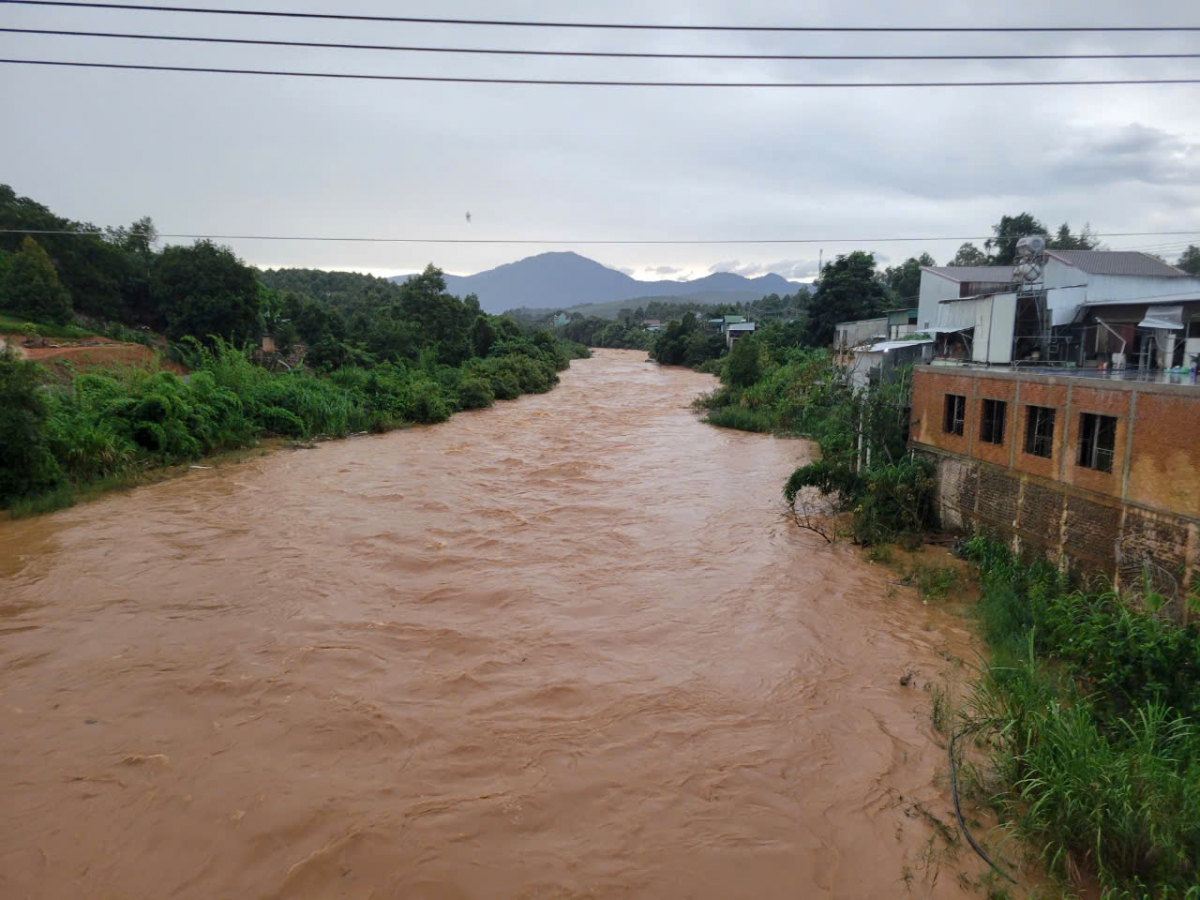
770,385
688,342
378,355
1088,714
628,330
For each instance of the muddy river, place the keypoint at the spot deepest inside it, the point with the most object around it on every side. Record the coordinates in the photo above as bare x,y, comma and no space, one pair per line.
569,647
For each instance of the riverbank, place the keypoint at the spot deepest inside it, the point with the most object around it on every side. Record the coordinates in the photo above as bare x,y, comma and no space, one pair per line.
74,438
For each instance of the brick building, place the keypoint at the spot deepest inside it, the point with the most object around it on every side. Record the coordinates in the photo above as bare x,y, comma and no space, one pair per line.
1099,470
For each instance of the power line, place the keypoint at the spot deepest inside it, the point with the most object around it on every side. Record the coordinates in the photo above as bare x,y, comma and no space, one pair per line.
623,26
352,76
561,241
765,57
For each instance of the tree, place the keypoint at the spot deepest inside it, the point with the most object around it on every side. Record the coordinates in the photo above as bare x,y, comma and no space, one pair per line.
445,320
31,287
1189,260
1065,240
671,345
745,364
849,289
91,269
26,465
206,291
1010,229
904,280
483,335
969,255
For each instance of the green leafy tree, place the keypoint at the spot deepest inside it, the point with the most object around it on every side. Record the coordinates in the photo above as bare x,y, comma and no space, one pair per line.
445,321
1063,239
26,466
904,280
671,346
31,287
1189,260
92,269
206,291
1003,244
483,335
1010,229
969,255
849,289
746,362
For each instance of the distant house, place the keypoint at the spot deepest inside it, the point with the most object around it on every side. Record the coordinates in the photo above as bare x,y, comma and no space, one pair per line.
561,319
848,335
870,363
735,331
652,324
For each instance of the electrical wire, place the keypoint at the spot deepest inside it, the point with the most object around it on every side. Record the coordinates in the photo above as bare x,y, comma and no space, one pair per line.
761,57
563,242
575,82
624,26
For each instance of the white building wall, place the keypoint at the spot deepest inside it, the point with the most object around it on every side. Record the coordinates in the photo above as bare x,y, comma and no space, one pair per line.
934,289
994,320
956,314
851,334
1068,288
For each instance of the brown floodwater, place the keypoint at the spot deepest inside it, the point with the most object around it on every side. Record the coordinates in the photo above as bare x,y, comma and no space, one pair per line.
567,647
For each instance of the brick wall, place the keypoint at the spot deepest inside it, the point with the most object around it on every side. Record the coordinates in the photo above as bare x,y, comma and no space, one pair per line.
1144,513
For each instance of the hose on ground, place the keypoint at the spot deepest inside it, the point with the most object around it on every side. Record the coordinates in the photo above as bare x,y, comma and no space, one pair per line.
962,824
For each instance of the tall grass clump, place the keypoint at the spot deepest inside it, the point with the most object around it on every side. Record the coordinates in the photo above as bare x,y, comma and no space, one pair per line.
1088,713
741,418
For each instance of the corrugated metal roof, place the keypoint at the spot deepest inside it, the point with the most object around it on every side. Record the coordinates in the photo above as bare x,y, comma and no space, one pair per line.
1116,262
989,274
887,346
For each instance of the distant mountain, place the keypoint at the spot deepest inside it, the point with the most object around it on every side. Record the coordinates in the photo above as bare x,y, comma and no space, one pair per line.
553,280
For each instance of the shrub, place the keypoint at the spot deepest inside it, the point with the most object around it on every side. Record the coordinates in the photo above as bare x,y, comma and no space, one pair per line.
283,422
26,466
1088,714
741,418
475,393
426,404
111,425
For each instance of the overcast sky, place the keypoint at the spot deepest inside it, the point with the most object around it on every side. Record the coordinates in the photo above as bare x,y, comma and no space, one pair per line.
225,154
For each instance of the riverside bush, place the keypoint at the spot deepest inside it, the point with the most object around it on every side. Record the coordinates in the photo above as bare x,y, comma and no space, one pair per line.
116,423
1088,714
864,468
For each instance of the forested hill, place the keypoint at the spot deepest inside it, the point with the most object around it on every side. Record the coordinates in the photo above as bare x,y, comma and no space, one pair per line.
562,280
347,292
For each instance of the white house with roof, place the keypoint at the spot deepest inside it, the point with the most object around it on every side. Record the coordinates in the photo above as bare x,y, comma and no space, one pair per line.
1087,307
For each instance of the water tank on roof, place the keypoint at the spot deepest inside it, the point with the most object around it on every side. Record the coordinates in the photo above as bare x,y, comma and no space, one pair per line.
1031,246
1029,265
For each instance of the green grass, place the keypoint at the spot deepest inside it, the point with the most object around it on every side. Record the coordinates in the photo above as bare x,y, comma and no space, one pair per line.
740,418
10,324
1087,714
933,582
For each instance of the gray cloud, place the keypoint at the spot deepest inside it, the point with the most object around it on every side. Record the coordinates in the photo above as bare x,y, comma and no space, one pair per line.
792,269
237,154
1133,153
